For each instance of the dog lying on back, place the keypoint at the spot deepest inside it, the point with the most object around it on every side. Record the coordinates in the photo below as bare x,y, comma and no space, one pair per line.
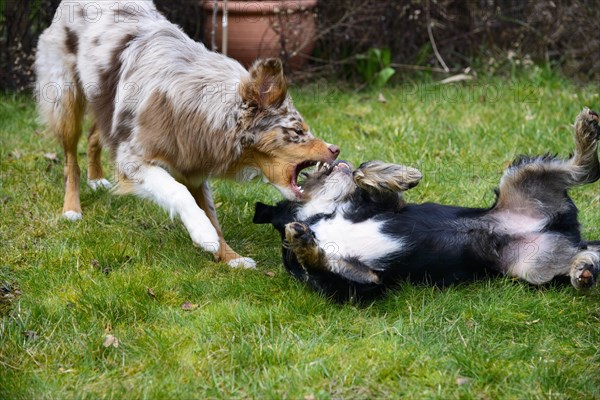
354,236
172,114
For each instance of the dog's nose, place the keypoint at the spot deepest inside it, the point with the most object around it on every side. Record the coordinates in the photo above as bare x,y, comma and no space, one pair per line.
334,150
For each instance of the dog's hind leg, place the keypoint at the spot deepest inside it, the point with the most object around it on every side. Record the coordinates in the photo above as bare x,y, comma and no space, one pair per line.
95,175
203,197
61,104
539,258
70,131
537,186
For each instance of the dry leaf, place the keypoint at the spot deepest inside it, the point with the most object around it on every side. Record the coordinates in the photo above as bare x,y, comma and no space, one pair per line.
187,306
15,154
110,340
270,274
381,98
151,293
31,335
51,156
535,321
461,380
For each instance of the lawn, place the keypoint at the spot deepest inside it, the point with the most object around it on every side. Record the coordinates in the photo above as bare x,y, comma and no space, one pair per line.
124,271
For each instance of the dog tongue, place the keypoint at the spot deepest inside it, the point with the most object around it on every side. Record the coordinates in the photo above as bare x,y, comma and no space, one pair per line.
342,165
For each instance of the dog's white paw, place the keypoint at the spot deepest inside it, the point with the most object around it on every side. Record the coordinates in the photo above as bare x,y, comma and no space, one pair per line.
242,262
72,215
96,184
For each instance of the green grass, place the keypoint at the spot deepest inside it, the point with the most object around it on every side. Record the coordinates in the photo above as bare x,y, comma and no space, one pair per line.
260,336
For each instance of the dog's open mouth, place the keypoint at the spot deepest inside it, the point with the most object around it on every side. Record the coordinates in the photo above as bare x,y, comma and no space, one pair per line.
297,173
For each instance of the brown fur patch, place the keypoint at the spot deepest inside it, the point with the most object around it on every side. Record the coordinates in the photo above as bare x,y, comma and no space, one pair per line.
103,104
125,123
72,41
183,139
94,151
267,86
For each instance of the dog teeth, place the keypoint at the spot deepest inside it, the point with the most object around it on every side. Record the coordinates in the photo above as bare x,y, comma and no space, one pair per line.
318,165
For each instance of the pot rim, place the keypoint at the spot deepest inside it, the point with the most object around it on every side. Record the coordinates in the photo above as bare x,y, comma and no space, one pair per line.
253,7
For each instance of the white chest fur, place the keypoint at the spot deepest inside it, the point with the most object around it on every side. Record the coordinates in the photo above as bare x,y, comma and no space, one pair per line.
341,238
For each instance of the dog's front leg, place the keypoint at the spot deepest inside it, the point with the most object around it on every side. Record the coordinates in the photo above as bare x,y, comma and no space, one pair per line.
155,183
312,257
203,197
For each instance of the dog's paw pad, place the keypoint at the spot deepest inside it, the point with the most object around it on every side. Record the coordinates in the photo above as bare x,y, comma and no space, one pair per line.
72,215
584,279
584,276
299,234
96,184
242,262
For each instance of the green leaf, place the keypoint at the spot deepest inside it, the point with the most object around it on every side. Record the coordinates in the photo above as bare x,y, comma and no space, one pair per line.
383,76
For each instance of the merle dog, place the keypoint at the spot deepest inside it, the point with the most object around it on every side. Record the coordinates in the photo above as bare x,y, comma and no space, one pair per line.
355,236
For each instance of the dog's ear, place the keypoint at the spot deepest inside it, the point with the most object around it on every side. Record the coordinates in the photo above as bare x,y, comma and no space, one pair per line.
267,87
263,214
383,177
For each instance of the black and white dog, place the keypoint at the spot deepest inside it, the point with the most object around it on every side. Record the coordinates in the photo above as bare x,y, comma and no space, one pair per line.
354,236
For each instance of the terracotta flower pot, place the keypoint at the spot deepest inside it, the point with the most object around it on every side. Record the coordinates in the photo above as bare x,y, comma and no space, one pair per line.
256,29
